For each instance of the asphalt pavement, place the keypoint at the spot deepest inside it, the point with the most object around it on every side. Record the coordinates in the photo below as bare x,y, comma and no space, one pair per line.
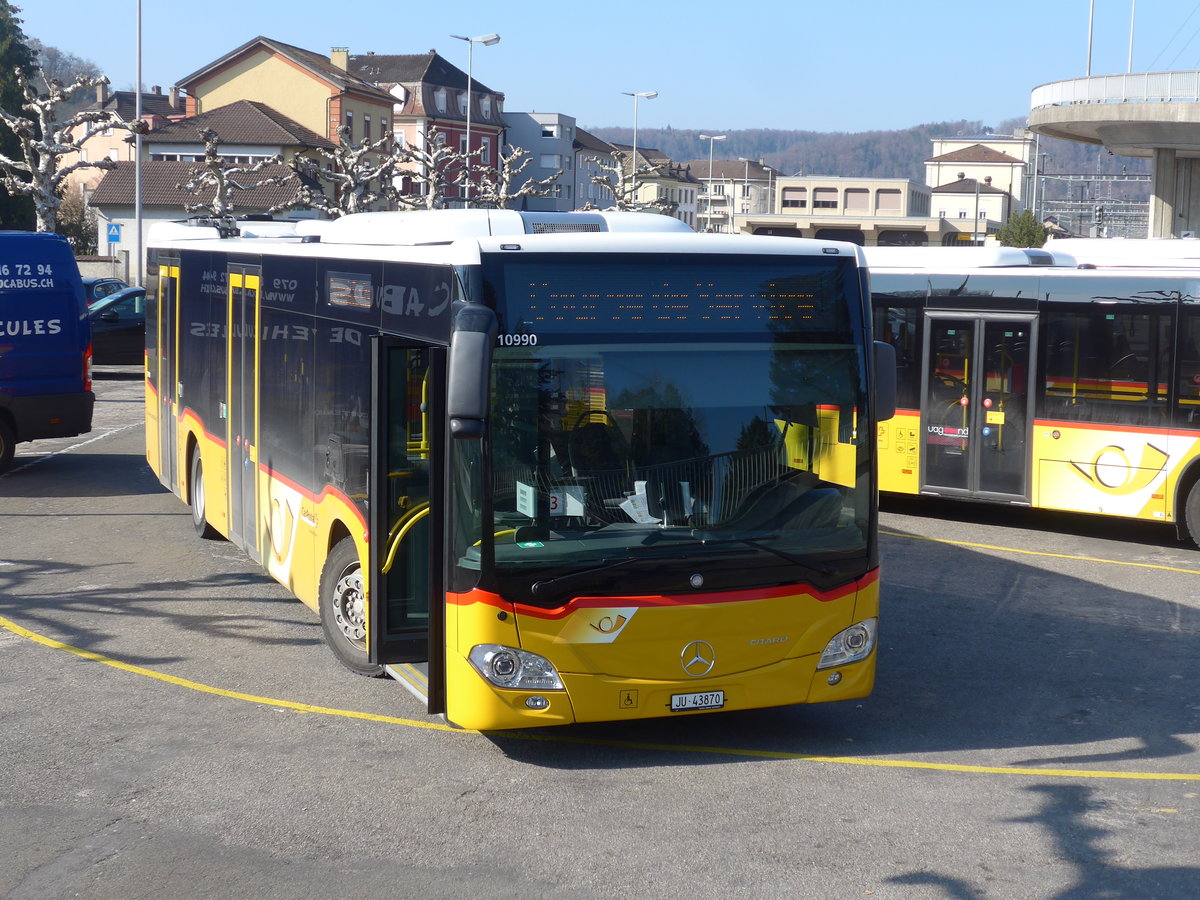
174,726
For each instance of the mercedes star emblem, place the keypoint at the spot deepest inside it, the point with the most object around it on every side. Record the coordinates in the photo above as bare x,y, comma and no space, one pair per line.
698,658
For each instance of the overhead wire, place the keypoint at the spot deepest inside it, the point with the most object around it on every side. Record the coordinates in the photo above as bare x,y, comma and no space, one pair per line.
1182,25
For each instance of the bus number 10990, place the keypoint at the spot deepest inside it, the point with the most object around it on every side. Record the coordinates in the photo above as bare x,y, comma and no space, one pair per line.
516,340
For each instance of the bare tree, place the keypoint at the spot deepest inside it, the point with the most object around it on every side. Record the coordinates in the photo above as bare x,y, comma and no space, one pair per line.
434,167
225,180
620,183
495,187
44,141
360,176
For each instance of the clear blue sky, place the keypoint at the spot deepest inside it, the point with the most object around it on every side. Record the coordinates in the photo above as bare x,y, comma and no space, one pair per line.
821,66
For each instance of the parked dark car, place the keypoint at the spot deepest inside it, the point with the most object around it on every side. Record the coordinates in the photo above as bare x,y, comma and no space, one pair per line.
119,328
99,288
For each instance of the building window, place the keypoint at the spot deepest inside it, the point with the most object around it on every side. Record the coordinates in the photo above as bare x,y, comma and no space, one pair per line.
858,200
549,131
462,103
439,99
745,190
349,125
825,198
887,200
718,189
462,145
485,106
367,129
795,198
962,214
941,214
983,214
549,161
383,126
485,155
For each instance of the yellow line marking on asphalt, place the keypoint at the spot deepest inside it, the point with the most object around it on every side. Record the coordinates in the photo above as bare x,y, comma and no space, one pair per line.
220,692
560,738
1092,559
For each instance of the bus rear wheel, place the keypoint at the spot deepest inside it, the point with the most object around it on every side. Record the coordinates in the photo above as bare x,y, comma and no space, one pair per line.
1191,514
343,604
199,519
8,444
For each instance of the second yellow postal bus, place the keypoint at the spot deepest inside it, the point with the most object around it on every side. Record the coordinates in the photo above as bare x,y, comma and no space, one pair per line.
541,468
1024,382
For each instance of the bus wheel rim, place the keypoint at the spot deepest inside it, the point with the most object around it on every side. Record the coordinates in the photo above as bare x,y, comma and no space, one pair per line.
349,608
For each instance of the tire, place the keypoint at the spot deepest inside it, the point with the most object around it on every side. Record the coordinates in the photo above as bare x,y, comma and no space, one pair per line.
343,609
8,444
196,483
1191,514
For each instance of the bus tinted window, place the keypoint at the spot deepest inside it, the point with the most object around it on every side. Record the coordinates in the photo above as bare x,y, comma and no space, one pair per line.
1106,366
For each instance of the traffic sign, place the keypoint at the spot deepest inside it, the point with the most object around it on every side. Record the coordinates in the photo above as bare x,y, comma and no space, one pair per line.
114,233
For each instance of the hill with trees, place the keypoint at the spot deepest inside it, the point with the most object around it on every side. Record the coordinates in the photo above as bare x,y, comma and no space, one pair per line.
869,154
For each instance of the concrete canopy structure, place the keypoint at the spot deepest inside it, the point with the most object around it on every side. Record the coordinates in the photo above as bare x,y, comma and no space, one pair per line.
1153,115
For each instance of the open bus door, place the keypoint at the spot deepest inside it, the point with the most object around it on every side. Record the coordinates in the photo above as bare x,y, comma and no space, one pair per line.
161,419
406,612
976,414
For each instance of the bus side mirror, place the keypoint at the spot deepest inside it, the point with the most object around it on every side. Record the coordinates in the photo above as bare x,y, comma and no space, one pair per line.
885,381
470,363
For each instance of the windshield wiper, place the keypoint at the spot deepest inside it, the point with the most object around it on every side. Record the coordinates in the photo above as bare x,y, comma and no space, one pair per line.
541,587
818,567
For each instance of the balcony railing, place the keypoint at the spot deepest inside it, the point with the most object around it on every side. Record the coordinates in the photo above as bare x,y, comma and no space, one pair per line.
1135,87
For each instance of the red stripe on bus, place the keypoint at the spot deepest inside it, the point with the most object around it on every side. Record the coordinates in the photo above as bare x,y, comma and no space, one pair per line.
657,600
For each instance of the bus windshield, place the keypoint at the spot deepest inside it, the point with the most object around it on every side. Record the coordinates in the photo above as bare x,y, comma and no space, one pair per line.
703,435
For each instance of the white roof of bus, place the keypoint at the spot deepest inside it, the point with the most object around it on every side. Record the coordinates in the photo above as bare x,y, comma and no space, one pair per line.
1124,252
955,258
459,235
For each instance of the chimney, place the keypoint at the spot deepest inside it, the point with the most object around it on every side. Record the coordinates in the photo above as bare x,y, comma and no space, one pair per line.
173,97
102,92
156,90
340,57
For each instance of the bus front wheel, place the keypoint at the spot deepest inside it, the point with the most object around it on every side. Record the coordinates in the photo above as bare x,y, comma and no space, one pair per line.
344,609
199,519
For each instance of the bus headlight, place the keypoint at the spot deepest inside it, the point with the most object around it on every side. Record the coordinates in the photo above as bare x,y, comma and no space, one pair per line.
849,646
508,667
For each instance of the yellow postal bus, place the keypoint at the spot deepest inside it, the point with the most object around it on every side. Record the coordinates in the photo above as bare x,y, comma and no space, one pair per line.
1023,380
541,468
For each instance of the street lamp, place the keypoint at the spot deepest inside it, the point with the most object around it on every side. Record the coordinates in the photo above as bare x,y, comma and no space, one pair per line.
644,95
711,138
488,40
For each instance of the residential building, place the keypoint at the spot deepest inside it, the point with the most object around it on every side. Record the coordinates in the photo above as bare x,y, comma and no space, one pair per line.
250,132
972,209
593,159
113,143
1003,161
729,189
549,139
312,90
661,179
427,93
